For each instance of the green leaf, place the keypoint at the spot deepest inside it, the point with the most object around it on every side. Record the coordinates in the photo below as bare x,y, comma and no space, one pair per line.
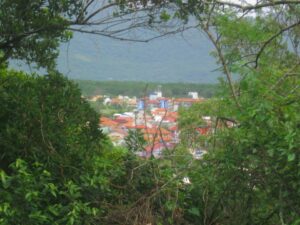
6,181
31,195
3,177
194,211
164,16
291,157
271,152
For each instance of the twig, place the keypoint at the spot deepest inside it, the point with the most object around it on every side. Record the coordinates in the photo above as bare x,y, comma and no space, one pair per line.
258,6
271,39
225,67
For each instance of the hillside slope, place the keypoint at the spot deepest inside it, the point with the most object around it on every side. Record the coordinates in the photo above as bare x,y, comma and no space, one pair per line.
180,58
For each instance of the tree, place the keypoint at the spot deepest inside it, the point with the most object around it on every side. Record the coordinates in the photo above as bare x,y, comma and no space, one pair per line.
249,175
49,140
45,118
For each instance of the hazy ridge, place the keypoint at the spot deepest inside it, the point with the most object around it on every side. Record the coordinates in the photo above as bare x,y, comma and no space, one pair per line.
179,58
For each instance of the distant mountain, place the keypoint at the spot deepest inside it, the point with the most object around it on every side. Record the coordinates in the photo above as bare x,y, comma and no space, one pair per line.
178,58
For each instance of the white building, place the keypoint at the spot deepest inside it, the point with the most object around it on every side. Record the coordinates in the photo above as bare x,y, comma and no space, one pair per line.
155,95
194,95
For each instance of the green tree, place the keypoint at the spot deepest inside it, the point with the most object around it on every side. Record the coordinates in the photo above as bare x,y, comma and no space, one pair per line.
45,118
50,149
32,30
249,175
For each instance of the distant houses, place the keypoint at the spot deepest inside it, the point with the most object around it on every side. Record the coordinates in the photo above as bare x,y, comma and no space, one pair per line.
155,116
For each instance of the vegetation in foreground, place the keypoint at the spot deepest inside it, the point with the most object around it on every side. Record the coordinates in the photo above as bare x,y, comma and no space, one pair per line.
58,168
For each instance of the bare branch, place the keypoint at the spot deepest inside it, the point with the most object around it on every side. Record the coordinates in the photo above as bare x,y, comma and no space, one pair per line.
259,5
225,67
106,35
96,12
266,43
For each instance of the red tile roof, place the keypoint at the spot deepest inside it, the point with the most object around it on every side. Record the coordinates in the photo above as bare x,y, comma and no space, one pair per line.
123,119
152,102
169,118
173,128
156,146
203,130
105,121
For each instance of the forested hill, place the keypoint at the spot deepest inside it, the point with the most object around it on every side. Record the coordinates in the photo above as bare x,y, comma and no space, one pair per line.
138,89
175,58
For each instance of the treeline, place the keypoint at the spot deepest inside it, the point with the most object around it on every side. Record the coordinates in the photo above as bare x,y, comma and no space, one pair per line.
132,88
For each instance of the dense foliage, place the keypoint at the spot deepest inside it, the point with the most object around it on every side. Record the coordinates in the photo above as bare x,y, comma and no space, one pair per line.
251,174
32,30
45,118
49,139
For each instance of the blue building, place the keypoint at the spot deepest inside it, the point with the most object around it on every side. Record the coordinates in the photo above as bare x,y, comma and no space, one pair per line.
141,105
164,104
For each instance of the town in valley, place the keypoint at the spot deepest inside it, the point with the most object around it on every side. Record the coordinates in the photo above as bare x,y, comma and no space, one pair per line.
154,116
